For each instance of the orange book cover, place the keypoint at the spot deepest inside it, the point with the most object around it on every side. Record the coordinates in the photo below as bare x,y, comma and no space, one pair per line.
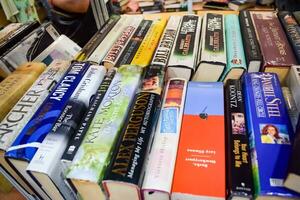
200,163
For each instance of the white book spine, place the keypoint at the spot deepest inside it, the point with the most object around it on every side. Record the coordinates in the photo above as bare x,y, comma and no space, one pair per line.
161,160
20,114
99,53
293,82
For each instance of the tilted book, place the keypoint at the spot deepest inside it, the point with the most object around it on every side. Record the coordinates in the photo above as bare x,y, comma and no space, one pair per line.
134,43
292,30
291,106
271,36
28,141
213,49
161,159
238,161
143,55
200,163
183,59
251,45
94,154
24,109
118,47
45,165
77,138
270,132
293,82
236,62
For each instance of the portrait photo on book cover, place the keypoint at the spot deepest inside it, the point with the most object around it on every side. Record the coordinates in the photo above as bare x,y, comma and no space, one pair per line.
274,134
238,123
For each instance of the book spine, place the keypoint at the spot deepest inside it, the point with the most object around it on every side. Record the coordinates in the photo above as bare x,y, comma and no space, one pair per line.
104,10
14,86
166,43
234,45
44,118
99,36
252,50
292,30
96,18
291,106
213,39
77,138
147,48
239,183
293,82
134,43
95,151
185,50
116,50
270,133
20,114
166,139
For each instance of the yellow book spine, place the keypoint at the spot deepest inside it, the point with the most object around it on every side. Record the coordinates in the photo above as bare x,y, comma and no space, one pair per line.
15,85
145,52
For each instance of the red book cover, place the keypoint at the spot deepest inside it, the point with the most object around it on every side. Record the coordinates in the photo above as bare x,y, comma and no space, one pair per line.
200,163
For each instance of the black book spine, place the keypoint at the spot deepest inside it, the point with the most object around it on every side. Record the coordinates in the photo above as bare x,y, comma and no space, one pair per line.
292,30
92,44
239,179
294,167
78,137
134,43
134,140
250,42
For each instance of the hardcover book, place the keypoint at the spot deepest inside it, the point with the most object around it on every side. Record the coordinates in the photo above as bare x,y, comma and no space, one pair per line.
213,49
143,55
183,59
77,138
162,156
24,109
270,133
292,30
45,165
236,62
118,47
271,36
201,151
94,154
26,144
250,42
238,161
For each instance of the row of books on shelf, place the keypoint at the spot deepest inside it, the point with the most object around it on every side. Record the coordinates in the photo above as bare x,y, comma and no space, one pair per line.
83,130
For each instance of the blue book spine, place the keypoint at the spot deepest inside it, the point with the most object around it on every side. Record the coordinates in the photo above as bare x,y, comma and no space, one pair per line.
270,132
28,141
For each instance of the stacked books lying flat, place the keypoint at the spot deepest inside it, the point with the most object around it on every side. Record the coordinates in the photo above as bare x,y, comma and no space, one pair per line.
140,112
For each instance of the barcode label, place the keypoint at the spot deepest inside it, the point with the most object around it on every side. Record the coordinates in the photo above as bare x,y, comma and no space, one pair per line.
276,182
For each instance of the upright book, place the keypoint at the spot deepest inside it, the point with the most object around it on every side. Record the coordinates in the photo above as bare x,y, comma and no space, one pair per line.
270,133
213,49
26,144
250,42
238,161
200,163
271,36
236,62
293,82
183,59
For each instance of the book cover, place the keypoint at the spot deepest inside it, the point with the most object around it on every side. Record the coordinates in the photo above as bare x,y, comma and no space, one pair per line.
134,43
252,52
162,156
213,49
238,161
201,151
183,59
270,133
164,48
236,62
292,30
118,47
94,154
77,138
143,55
27,11
271,36
45,165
